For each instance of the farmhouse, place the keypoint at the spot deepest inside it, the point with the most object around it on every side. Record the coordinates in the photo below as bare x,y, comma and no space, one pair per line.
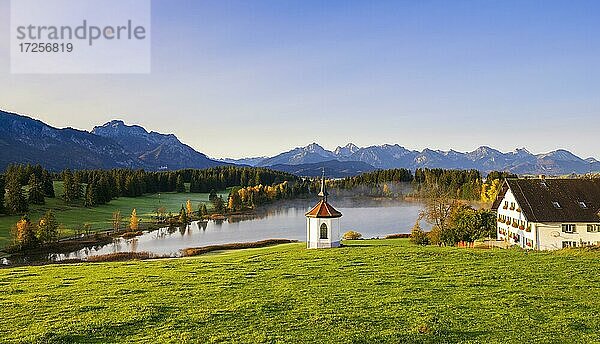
323,222
549,214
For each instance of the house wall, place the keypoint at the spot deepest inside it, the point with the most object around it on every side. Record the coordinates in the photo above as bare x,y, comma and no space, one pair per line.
551,236
313,231
508,232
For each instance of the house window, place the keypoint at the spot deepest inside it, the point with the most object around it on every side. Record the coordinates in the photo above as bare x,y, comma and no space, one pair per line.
323,231
570,228
593,228
556,204
566,244
583,205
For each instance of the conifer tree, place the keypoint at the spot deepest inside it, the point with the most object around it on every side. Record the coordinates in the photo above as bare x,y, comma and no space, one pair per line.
257,180
91,195
417,235
2,192
183,218
77,189
202,211
194,187
36,191
212,195
219,205
180,187
68,186
15,200
48,184
244,179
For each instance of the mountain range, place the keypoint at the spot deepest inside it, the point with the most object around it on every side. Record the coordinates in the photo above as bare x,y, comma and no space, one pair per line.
113,145
118,145
485,159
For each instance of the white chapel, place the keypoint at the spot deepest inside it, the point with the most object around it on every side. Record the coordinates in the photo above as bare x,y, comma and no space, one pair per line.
323,222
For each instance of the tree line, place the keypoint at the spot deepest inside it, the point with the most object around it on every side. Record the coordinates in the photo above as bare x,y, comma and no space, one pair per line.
96,187
461,184
37,180
250,197
27,184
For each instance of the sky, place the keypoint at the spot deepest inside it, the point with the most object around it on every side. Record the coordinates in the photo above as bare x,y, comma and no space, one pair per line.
255,78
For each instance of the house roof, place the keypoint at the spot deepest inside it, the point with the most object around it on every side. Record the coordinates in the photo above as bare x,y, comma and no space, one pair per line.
323,209
555,200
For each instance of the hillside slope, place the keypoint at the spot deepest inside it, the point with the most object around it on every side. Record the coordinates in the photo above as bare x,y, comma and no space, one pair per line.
383,291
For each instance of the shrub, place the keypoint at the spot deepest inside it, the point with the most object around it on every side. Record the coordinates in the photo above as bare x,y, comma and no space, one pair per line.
398,236
417,235
435,236
352,235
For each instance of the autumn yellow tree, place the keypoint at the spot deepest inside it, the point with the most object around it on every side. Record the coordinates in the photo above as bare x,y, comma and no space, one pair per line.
24,233
490,192
189,208
133,221
235,200
386,190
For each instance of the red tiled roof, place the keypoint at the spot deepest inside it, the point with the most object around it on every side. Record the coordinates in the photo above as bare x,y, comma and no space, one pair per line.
323,209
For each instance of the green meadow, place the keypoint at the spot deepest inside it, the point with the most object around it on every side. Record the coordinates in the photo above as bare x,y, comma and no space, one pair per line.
376,291
73,216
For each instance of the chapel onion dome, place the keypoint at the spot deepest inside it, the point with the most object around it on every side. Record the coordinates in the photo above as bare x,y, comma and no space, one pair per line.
323,209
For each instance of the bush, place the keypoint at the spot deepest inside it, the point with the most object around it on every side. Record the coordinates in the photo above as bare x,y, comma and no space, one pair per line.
352,235
417,235
398,236
435,236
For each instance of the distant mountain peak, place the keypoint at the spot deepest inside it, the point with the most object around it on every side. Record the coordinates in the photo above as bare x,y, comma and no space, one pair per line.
314,147
523,151
114,123
347,150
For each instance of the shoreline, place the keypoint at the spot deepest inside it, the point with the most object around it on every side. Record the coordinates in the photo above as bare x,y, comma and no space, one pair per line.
143,255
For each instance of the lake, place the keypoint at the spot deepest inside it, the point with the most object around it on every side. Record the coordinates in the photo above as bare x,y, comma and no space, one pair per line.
286,221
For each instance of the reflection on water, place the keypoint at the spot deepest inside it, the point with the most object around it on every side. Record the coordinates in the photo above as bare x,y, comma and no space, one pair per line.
278,222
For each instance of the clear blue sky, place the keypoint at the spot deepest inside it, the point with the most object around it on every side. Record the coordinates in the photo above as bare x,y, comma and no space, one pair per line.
248,78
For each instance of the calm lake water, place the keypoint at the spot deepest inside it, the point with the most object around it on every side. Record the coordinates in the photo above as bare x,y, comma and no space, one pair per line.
374,219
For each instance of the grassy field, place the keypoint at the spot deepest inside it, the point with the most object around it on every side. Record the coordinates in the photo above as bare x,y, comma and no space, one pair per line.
370,291
71,216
